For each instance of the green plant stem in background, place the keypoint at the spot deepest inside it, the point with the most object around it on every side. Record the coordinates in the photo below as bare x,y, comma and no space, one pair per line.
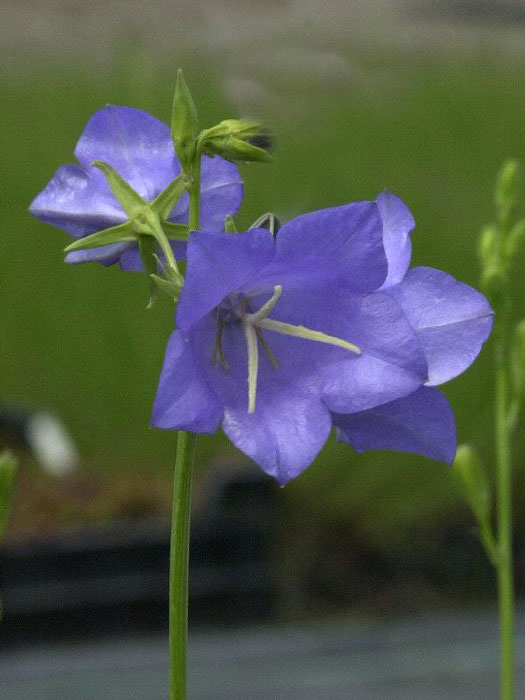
179,558
504,561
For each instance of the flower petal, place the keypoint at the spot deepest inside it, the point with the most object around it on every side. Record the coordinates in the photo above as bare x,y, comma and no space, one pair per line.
422,423
398,222
184,400
391,363
452,320
284,435
343,243
135,143
106,255
219,263
77,202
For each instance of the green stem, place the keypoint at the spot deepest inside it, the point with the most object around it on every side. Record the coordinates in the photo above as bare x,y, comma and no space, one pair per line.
194,191
179,558
504,515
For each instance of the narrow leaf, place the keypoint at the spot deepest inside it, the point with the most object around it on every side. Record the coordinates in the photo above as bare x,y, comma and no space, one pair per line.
131,201
166,200
116,234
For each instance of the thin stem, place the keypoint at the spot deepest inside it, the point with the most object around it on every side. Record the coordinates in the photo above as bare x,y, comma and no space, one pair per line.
194,191
179,558
504,516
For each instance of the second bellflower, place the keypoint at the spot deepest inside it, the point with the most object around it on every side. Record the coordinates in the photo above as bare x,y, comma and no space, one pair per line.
280,338
139,147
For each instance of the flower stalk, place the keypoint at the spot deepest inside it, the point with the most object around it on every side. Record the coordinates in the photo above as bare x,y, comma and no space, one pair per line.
498,245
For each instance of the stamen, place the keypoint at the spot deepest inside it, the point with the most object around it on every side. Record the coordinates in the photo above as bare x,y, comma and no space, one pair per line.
218,351
253,363
267,349
307,334
266,308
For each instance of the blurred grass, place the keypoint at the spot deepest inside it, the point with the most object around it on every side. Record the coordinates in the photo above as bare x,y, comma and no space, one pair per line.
79,340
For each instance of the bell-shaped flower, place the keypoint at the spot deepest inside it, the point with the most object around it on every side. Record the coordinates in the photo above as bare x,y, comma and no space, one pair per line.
139,147
279,338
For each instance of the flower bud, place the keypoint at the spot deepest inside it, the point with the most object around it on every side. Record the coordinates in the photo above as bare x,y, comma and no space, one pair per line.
184,124
237,139
515,239
507,189
8,466
472,476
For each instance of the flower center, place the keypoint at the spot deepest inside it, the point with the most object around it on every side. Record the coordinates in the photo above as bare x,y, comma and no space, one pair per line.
237,309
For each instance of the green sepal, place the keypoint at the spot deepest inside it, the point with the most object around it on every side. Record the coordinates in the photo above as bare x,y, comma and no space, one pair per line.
184,124
166,200
131,201
233,148
116,234
175,232
168,286
8,467
245,129
148,248
229,224
473,479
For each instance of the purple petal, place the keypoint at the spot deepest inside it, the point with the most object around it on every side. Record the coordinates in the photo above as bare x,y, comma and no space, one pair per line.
343,243
184,400
106,255
221,191
290,423
284,435
391,364
78,202
135,143
398,222
422,423
219,263
452,320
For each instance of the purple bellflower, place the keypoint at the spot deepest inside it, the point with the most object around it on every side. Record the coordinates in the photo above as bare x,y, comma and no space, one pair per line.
279,339
139,147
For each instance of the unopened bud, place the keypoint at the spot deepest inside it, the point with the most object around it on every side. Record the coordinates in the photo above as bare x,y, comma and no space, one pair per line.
237,139
507,189
184,124
515,239
471,475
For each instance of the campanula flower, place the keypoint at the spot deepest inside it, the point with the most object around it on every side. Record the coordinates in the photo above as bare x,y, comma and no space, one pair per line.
139,147
279,338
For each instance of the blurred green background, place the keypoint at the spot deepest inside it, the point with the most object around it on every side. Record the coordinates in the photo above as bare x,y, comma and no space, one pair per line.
396,106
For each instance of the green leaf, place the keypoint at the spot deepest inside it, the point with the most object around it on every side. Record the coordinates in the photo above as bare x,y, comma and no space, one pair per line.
116,234
131,201
184,123
166,200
